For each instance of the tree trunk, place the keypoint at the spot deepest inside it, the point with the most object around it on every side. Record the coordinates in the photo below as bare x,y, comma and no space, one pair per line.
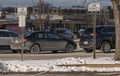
38,19
117,28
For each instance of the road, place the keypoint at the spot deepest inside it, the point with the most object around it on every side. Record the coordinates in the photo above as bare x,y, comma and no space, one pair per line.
49,55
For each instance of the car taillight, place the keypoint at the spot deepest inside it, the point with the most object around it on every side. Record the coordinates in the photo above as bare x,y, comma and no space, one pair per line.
24,39
91,34
80,34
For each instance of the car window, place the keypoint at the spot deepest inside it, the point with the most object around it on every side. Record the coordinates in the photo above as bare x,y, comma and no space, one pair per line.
69,32
108,30
3,34
38,35
90,30
11,34
52,35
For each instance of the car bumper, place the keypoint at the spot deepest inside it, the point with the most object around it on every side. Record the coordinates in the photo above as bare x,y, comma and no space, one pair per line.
18,47
85,44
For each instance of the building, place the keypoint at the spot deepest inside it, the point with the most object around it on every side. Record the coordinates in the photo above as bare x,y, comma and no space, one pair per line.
77,17
74,18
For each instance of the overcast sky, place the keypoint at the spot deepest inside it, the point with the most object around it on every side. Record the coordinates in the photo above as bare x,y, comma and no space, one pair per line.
66,3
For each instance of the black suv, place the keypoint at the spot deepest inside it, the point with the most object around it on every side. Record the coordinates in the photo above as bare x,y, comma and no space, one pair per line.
105,38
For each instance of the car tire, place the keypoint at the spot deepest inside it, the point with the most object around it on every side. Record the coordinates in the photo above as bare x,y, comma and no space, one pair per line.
35,49
69,48
105,47
88,50
14,51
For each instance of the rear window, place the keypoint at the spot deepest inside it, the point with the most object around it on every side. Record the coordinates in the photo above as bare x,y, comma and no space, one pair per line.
12,34
27,34
90,30
108,30
60,31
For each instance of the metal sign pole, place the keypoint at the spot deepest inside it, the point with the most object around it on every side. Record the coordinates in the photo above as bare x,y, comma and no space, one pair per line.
94,34
94,7
22,45
22,12
22,21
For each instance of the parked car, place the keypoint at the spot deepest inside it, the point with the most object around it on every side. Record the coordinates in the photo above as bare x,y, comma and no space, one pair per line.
105,38
6,37
44,41
27,33
65,32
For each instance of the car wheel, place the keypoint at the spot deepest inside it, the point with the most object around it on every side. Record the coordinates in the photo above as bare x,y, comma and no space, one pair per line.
69,48
35,49
106,47
14,51
88,50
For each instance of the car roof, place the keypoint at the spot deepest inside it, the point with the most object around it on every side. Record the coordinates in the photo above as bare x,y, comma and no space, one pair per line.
41,31
99,26
60,29
4,30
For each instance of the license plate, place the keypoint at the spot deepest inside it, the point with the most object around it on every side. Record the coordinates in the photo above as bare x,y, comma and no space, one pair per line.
16,41
86,42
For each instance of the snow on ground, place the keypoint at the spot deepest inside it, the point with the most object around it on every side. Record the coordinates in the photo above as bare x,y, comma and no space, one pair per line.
51,65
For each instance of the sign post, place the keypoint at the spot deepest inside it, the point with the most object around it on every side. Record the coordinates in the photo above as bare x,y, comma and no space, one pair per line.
22,12
94,7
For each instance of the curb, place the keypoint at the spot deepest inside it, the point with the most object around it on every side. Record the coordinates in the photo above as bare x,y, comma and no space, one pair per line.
93,65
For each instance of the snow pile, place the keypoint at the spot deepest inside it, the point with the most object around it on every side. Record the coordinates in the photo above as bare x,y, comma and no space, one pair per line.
69,60
72,61
51,65
24,66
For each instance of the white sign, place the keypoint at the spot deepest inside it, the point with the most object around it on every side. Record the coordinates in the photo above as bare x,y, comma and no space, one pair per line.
22,20
22,11
94,7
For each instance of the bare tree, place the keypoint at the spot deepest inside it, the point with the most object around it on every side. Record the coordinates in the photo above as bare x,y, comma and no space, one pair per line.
39,9
117,27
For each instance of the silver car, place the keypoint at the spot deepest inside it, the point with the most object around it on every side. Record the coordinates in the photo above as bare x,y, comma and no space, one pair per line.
6,37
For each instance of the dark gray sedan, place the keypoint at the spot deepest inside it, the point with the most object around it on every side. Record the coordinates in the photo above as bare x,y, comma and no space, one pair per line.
44,41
